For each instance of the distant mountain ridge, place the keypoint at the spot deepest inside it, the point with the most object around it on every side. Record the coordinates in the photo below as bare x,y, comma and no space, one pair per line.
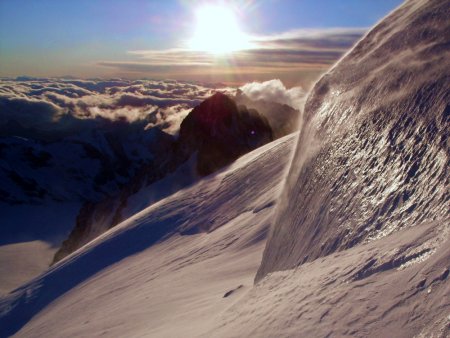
84,166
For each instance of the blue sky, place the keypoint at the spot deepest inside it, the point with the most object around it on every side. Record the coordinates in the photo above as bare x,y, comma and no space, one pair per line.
54,37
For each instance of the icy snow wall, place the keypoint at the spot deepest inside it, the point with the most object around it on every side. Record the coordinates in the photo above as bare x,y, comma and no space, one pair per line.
373,155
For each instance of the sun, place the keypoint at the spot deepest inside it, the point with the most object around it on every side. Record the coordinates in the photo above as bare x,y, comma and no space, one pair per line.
217,31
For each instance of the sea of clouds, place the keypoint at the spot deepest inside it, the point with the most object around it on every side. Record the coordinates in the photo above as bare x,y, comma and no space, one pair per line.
54,104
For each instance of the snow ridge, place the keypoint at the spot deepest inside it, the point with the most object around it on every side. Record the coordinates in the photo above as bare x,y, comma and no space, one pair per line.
382,118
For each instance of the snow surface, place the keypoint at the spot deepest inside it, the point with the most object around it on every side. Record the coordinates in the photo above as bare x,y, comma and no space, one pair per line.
360,243
29,237
373,155
172,262
394,287
20,262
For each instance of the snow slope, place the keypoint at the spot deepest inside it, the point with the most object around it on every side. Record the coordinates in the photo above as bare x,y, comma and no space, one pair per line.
20,262
373,156
29,237
360,243
397,286
172,262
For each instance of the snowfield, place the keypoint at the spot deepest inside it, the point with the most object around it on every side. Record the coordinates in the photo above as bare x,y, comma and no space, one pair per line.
29,237
357,219
394,287
172,262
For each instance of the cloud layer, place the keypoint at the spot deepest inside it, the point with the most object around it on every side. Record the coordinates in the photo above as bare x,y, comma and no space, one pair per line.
275,91
59,104
51,106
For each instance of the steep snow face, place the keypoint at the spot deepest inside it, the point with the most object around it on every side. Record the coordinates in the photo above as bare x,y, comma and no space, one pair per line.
373,156
166,271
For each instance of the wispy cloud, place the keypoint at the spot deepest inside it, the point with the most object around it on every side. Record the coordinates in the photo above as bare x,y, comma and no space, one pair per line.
317,39
289,51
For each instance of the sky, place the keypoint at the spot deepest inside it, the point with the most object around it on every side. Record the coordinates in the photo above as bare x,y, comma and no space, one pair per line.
233,41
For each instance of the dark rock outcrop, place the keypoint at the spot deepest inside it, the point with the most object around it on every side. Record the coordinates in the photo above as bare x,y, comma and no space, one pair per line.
221,131
283,119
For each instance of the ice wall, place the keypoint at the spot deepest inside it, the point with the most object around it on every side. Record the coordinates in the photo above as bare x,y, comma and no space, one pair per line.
373,156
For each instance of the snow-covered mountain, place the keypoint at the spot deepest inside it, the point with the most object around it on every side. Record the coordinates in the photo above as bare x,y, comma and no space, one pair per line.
85,166
359,240
100,151
207,238
66,143
213,135
68,140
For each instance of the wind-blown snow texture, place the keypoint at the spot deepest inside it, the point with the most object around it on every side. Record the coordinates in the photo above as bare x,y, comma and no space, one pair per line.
360,246
196,244
373,156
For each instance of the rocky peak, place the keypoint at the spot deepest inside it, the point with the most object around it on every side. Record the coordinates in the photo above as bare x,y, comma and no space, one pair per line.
214,113
221,131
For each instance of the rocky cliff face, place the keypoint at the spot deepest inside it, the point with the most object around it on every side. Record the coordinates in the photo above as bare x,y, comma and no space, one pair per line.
221,131
283,119
373,156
